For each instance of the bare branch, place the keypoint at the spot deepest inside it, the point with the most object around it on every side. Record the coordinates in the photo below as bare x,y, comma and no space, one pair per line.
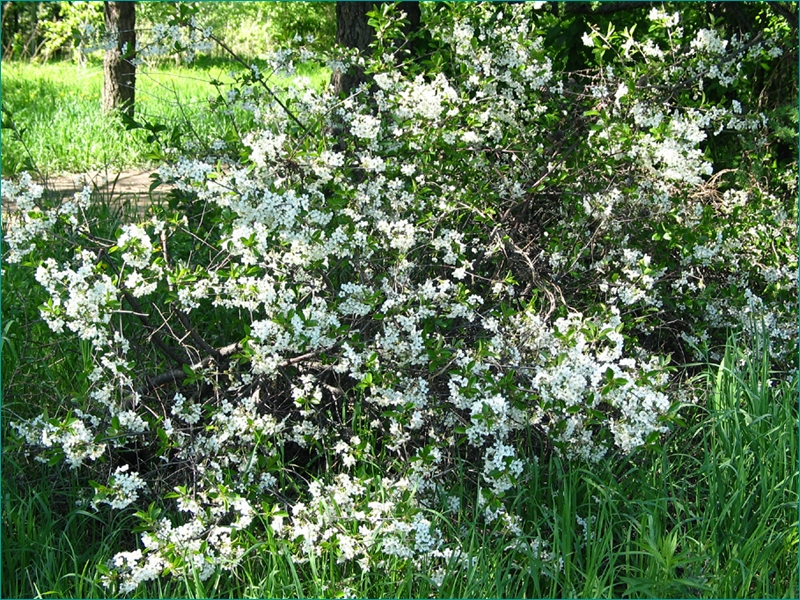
178,375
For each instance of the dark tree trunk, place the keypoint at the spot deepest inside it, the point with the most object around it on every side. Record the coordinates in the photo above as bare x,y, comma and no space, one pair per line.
119,84
414,16
352,31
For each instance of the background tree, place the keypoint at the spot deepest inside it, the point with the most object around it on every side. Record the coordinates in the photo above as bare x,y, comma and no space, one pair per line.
119,85
354,31
25,27
288,20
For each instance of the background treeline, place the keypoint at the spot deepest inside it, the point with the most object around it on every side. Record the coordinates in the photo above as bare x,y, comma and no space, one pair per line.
44,31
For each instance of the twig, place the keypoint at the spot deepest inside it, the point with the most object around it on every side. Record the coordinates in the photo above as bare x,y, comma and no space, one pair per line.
182,317
307,355
155,335
260,80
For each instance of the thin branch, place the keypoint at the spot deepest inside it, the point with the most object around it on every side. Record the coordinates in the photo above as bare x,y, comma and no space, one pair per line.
155,335
178,375
307,355
182,317
260,80
208,348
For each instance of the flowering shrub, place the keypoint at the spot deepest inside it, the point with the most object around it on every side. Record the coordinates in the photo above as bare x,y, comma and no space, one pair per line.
361,296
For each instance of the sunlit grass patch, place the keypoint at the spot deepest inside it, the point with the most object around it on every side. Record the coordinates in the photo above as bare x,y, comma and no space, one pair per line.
57,108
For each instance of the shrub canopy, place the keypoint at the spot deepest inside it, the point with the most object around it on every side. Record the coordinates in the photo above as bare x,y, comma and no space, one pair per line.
479,256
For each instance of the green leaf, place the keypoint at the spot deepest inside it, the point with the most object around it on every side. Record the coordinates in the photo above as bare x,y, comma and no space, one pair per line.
129,122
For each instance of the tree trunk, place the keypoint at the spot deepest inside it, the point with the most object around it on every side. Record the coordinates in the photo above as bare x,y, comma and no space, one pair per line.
352,31
414,15
119,84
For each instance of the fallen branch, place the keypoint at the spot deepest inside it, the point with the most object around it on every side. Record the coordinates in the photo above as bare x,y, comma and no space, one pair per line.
178,375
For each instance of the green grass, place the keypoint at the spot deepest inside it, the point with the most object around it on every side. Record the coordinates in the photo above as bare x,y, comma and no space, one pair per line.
56,106
713,514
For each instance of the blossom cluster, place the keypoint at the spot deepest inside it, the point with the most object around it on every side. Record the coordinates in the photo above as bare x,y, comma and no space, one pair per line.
33,218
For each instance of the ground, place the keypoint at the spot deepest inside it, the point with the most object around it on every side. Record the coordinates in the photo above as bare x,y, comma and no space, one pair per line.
131,182
110,184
